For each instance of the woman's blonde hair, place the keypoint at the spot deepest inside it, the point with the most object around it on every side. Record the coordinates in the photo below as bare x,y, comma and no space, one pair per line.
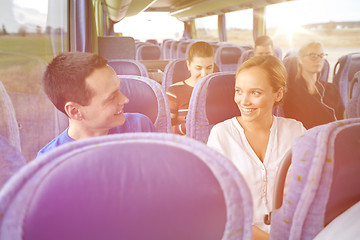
273,67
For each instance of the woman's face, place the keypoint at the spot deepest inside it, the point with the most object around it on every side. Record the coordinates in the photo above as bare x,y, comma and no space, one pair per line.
313,59
254,95
199,67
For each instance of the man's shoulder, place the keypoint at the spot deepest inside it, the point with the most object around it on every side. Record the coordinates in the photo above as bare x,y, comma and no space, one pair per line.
57,141
135,122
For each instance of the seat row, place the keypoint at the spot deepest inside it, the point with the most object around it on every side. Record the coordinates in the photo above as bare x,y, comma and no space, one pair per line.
212,102
164,186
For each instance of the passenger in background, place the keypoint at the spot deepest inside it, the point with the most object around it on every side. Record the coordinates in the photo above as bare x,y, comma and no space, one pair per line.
200,62
257,141
87,90
309,100
263,46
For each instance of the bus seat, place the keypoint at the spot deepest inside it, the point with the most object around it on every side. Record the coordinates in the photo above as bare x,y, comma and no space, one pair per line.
116,47
215,46
167,48
352,109
183,47
128,186
278,52
9,127
245,56
227,57
345,226
175,71
173,49
148,52
211,102
128,67
152,41
147,97
322,183
290,64
291,52
344,71
246,47
11,160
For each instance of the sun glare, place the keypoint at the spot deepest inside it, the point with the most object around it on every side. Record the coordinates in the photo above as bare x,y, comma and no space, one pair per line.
286,19
288,29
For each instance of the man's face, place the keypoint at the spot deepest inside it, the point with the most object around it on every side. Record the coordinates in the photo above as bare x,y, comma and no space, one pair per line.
263,50
105,110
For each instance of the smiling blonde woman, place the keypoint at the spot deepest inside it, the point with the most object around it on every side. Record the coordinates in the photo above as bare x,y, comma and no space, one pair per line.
257,141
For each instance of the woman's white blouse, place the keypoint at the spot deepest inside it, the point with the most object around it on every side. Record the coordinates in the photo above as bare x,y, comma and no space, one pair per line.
228,138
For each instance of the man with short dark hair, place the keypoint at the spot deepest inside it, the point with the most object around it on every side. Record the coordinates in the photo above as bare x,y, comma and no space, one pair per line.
87,90
263,46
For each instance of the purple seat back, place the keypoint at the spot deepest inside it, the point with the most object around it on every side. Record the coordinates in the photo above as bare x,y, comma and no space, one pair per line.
211,102
182,49
148,52
278,52
344,71
127,186
175,71
346,172
173,49
245,56
9,127
128,67
227,57
147,97
324,163
11,160
353,104
166,46
152,41
114,47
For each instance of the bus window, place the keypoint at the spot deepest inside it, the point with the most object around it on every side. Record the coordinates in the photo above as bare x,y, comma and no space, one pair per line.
239,26
31,33
207,28
150,26
29,37
294,23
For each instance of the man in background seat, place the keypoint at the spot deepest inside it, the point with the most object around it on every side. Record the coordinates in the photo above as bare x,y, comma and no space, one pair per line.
263,46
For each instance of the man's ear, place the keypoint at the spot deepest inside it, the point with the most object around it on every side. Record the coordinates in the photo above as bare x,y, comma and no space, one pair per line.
72,110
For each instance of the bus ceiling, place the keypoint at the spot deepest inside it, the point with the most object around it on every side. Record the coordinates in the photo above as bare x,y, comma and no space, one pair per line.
188,10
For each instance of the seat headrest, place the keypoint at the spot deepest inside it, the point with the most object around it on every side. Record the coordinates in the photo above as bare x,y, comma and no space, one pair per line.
181,72
220,104
230,55
124,67
142,98
150,52
117,47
